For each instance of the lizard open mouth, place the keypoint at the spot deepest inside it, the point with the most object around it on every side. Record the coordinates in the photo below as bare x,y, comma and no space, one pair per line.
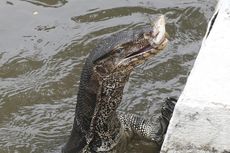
142,50
149,49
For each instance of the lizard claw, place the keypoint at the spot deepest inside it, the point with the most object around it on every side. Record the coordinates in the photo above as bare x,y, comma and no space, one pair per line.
168,107
166,114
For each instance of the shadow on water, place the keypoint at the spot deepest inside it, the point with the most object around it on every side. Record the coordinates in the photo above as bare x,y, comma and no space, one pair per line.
41,56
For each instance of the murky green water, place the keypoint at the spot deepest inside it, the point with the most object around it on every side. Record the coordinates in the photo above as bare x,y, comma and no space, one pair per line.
43,45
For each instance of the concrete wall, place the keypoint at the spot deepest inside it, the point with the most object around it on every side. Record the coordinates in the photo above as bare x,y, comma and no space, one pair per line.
201,121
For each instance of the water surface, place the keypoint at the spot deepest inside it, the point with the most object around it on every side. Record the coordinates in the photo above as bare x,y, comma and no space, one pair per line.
43,46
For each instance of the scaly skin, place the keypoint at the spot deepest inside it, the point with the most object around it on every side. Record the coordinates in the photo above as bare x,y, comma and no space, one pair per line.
98,127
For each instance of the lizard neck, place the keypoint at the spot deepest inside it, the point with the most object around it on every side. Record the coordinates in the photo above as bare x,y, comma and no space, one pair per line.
105,125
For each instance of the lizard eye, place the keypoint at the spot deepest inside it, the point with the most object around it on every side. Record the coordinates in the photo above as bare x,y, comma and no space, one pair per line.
119,50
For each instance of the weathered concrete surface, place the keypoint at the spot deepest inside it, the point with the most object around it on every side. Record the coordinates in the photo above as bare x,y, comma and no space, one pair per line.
201,121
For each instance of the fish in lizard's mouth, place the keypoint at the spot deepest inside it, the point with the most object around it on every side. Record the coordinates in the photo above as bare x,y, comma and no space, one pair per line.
147,46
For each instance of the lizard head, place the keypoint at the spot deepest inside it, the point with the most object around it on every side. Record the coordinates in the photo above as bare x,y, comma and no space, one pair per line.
126,56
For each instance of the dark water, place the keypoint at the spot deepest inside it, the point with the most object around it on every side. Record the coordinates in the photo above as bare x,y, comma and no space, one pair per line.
43,45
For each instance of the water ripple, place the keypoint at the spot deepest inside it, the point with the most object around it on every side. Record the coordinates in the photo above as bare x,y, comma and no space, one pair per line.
47,3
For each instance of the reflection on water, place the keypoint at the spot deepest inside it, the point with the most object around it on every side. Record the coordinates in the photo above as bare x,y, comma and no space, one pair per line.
41,57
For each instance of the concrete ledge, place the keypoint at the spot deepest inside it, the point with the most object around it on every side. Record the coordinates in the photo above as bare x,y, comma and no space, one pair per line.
201,121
